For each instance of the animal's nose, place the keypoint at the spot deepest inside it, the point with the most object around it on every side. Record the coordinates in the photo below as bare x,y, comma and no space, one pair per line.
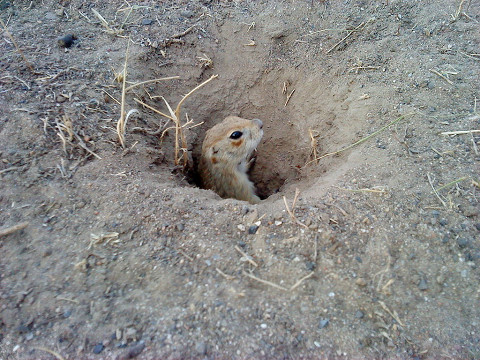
258,122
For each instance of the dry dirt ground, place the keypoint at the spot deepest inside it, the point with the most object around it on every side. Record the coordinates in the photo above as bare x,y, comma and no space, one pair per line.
123,256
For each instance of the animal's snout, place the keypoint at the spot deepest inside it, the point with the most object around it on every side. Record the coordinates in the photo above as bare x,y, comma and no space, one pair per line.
258,122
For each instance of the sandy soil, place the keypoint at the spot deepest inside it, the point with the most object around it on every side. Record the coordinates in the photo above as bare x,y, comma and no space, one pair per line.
123,256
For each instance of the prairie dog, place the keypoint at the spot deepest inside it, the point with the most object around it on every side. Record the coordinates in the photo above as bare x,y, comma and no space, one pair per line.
225,158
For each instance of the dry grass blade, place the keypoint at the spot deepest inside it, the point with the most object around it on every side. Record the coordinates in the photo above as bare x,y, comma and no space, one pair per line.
69,300
442,76
102,19
29,65
358,28
266,282
453,183
361,140
178,130
186,255
54,353
226,276
291,211
299,282
105,24
121,122
246,256
153,109
178,134
177,110
12,168
205,61
313,145
151,81
394,315
461,132
376,189
103,238
288,98
435,191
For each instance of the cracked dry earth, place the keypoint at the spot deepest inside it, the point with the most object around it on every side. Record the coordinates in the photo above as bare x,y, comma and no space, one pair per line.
118,254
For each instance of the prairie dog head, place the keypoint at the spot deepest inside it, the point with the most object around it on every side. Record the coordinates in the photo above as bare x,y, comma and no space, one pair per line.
232,141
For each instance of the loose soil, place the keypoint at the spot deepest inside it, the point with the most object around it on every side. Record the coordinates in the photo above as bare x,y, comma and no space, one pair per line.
125,257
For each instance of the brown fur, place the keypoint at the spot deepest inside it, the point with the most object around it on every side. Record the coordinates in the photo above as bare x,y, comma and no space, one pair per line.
224,161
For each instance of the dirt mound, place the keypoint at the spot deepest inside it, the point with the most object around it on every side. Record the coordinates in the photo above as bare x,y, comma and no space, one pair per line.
371,251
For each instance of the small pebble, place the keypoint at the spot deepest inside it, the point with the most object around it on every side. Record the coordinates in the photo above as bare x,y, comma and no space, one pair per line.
323,323
133,351
66,41
29,336
187,13
361,282
440,279
359,314
201,348
462,243
443,222
253,229
263,326
422,285
47,252
61,98
67,313
93,102
278,33
180,227
97,349
50,16
147,22
359,259
470,211
310,265
241,227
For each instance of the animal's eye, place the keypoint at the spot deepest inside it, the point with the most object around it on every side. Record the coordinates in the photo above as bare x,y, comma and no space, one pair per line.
236,135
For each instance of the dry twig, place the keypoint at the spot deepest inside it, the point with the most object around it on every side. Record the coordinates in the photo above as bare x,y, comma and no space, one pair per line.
299,282
266,282
14,228
246,256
